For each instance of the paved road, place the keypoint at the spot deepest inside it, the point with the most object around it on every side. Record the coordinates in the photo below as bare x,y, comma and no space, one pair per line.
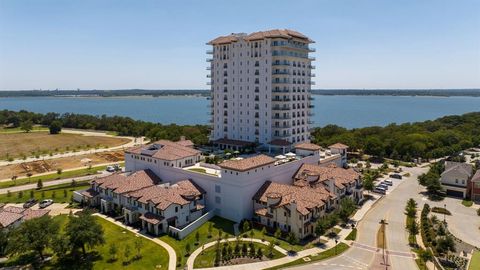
364,254
52,183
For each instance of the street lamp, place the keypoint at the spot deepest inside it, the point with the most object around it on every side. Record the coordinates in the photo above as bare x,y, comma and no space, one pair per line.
336,242
384,223
445,207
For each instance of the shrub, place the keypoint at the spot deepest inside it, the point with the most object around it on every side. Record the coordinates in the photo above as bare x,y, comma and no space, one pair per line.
441,210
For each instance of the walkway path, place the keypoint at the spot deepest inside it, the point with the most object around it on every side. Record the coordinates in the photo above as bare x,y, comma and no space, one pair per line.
172,256
133,141
53,182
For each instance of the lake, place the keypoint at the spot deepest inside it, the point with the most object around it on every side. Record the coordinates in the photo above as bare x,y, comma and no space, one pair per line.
346,111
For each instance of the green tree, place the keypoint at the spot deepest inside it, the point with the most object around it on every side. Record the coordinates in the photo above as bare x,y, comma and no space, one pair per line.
39,184
278,233
4,235
187,248
246,226
35,235
197,237
413,228
425,255
210,230
55,127
84,230
411,208
263,232
126,254
112,250
138,247
26,126
368,183
347,206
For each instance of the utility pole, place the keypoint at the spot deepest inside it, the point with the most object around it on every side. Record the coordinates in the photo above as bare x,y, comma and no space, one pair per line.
384,223
336,242
445,207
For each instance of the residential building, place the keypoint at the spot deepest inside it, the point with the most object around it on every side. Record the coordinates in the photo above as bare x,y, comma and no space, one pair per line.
474,187
260,87
455,178
315,191
143,197
12,217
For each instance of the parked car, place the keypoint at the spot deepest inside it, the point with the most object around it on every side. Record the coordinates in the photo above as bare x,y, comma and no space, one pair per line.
396,176
110,169
45,203
382,185
388,182
380,190
29,203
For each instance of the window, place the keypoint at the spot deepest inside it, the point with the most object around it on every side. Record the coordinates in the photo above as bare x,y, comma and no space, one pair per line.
218,189
218,200
176,209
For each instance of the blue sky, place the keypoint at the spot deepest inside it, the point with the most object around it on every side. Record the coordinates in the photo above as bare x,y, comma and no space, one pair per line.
92,44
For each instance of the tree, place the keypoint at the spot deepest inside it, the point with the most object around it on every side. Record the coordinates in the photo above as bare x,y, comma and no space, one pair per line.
413,228
425,255
197,237
14,178
35,234
55,127
84,230
246,226
138,247
26,126
112,250
4,235
259,253
411,208
270,248
277,233
252,234
244,249
59,171
126,254
347,206
187,248
39,184
209,230
29,175
368,183
292,239
263,232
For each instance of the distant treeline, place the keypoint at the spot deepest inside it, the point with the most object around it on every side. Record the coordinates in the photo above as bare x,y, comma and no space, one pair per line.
430,139
122,125
205,93
102,93
399,92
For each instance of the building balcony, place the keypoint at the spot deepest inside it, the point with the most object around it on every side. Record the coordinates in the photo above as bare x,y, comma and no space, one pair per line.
209,83
311,98
280,73
310,49
278,108
282,135
281,100
311,106
281,126
310,114
209,75
311,58
312,75
209,68
311,67
209,51
281,117
311,83
280,91
310,122
209,60
281,82
284,63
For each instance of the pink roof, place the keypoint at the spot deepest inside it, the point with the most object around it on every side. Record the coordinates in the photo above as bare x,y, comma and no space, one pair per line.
247,163
319,174
275,33
165,150
338,146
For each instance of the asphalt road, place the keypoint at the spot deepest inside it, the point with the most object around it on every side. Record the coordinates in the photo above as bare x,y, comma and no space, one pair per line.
364,254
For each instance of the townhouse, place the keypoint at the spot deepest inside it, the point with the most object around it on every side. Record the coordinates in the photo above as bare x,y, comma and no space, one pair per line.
456,177
12,217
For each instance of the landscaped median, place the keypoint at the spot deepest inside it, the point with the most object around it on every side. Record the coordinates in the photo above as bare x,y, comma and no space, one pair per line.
329,253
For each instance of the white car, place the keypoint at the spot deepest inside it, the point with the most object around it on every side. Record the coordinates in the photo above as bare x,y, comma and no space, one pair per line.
388,182
45,203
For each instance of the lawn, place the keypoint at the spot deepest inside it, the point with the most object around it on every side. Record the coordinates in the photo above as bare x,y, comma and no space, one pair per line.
152,254
52,176
19,130
352,235
475,261
226,226
467,203
56,192
340,248
207,257
20,145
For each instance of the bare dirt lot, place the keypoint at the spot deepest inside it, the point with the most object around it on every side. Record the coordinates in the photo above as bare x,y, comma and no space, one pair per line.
42,166
18,145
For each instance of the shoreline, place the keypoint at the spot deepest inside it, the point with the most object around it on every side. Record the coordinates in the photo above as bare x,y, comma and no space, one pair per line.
206,96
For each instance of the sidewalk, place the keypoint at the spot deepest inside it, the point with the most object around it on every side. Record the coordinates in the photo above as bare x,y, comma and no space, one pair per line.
172,260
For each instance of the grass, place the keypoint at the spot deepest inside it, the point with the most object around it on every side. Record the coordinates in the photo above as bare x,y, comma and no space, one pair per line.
19,130
352,235
207,257
55,192
52,176
217,223
329,253
279,242
22,145
475,261
467,203
152,255
421,264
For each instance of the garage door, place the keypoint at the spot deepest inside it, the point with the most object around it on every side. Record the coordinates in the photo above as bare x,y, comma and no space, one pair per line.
454,193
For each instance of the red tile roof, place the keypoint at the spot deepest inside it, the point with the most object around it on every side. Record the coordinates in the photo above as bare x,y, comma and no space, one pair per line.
151,218
317,174
275,33
306,198
30,213
308,146
162,197
165,150
247,163
338,146
8,218
12,214
120,183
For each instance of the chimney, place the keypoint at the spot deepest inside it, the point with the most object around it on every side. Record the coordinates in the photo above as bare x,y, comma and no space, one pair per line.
331,185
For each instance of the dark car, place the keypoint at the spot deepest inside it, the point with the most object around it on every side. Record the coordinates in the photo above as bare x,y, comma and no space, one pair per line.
29,203
396,176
